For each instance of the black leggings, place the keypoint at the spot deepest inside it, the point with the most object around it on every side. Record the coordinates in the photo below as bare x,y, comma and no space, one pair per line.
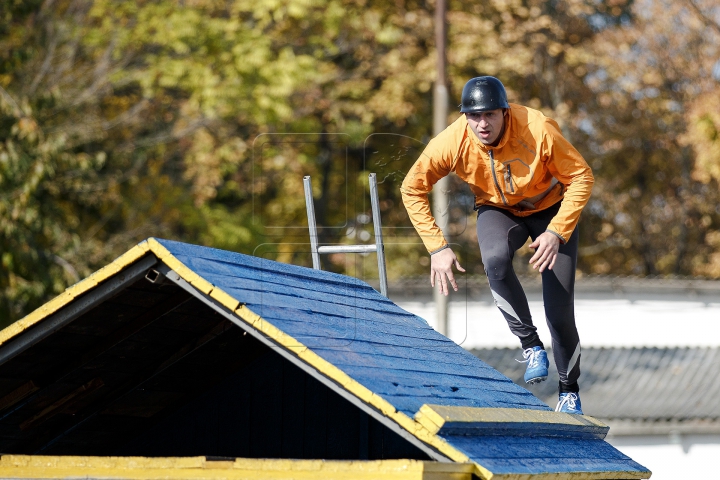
500,235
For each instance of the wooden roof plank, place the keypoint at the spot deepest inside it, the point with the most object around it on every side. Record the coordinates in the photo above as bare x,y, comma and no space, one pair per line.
245,280
186,468
258,264
253,278
270,299
399,318
362,330
543,454
319,320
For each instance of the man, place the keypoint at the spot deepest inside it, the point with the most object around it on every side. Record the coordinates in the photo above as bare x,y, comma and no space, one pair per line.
528,181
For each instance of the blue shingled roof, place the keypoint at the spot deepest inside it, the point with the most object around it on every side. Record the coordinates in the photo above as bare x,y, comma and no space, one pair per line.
531,454
388,362
344,320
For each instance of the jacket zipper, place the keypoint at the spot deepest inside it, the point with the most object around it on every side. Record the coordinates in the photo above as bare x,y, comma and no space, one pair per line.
492,167
508,180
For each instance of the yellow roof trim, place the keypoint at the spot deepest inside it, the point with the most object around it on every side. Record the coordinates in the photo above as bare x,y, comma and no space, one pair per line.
74,291
181,468
188,275
433,417
30,466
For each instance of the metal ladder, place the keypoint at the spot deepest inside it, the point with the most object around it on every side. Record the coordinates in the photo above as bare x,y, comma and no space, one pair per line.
378,247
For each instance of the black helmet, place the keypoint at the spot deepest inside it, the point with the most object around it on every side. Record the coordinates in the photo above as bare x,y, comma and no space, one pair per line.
482,94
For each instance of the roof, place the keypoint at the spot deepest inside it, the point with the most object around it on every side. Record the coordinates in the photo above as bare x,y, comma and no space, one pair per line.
636,390
142,336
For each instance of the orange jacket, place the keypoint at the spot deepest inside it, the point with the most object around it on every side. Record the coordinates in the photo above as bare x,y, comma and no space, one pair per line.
530,153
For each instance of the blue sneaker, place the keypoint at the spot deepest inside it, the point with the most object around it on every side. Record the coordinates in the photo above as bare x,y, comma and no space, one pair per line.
569,403
537,364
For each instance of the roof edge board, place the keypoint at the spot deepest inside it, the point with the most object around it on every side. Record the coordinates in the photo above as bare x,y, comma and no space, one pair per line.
25,466
94,293
378,415
442,419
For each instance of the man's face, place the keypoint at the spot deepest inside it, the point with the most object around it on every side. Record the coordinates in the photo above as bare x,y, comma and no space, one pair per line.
487,125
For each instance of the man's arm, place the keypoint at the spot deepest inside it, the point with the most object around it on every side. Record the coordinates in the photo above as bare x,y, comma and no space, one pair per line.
415,189
434,163
570,168
567,165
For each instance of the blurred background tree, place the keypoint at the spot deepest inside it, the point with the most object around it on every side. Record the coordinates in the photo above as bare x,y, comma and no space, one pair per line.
197,120
655,205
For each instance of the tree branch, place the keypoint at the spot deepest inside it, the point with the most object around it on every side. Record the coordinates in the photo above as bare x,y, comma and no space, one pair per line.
49,54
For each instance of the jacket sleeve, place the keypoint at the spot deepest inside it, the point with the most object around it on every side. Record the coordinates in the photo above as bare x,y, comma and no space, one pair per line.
570,168
435,163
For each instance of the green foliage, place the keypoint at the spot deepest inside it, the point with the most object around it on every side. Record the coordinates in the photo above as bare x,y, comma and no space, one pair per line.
33,209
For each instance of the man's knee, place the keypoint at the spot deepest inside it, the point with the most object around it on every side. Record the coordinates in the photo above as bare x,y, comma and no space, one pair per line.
497,264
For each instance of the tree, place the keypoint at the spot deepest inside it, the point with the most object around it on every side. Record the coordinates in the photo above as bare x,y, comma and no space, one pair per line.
655,217
197,120
111,112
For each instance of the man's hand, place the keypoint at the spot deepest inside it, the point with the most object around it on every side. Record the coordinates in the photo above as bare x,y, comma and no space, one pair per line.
441,266
546,248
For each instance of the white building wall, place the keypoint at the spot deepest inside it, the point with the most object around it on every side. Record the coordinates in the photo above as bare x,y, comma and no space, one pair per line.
601,323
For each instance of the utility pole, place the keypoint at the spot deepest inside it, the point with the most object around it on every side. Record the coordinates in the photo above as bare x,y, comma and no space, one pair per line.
440,113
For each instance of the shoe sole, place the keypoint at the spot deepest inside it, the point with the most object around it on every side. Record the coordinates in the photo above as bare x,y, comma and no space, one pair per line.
535,380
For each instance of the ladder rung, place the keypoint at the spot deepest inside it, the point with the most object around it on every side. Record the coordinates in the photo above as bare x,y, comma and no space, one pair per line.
347,249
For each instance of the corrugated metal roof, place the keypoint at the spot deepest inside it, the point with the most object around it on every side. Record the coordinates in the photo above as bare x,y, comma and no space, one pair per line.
636,390
127,352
